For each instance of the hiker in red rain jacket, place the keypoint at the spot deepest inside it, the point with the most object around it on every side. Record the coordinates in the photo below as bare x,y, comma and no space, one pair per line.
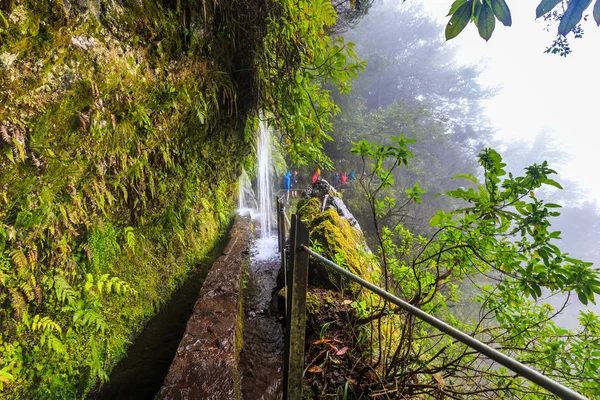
316,175
343,178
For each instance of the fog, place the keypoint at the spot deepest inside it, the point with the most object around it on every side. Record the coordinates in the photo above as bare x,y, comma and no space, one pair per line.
545,98
538,92
506,93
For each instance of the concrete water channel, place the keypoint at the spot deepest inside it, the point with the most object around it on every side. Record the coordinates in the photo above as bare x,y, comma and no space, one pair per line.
220,336
141,373
230,345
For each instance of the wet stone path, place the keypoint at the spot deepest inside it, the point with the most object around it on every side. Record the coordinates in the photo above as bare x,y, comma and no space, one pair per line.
262,353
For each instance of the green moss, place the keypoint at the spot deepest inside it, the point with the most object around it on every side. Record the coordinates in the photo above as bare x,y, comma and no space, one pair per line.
344,244
239,336
313,304
308,208
126,164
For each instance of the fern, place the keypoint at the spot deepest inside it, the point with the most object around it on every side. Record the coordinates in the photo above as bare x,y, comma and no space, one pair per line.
64,292
89,318
45,324
19,258
96,366
28,290
130,238
106,284
53,343
19,304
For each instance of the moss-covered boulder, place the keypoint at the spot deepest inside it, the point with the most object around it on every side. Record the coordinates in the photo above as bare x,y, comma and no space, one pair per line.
344,244
307,209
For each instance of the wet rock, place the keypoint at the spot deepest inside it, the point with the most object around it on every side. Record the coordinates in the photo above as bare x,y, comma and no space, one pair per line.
339,236
326,197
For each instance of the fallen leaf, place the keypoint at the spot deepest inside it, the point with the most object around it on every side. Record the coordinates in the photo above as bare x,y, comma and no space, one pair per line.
347,301
315,369
332,346
341,351
352,381
321,341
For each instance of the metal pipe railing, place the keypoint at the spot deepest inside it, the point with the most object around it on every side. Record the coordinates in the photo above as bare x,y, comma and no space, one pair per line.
510,363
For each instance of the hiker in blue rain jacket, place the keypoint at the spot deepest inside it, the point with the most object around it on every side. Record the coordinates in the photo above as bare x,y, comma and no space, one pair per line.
287,184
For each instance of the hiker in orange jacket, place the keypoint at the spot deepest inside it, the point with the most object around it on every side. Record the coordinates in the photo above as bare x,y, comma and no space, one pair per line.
316,175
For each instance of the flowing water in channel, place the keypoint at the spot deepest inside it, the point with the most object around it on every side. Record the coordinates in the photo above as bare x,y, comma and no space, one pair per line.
262,351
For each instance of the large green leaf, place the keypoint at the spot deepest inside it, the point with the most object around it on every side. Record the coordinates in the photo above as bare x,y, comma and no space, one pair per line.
545,7
597,12
466,176
502,12
486,21
476,11
572,16
459,20
455,6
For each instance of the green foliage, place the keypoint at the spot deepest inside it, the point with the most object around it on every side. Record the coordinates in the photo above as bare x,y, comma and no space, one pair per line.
483,14
300,58
572,15
545,7
461,12
119,151
498,248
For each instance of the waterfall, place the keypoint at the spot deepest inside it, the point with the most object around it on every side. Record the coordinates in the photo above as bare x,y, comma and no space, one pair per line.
265,192
246,198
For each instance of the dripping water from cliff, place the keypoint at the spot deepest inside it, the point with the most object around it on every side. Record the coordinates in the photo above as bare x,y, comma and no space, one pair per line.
246,197
265,189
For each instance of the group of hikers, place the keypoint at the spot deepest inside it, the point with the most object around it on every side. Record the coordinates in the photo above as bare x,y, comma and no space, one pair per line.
341,178
337,178
289,181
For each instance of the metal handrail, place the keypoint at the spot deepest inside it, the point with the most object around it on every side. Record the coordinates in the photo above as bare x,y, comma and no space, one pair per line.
549,384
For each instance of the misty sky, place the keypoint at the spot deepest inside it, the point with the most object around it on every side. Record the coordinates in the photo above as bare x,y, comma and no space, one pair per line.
539,91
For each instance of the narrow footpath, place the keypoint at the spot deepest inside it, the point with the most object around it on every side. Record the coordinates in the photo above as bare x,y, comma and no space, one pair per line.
263,339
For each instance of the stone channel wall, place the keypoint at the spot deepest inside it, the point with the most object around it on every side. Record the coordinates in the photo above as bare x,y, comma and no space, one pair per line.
206,365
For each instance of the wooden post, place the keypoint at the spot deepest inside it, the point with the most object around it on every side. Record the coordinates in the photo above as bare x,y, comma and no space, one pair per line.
297,275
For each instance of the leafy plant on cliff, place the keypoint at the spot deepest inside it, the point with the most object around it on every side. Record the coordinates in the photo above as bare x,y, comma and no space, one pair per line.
497,250
300,58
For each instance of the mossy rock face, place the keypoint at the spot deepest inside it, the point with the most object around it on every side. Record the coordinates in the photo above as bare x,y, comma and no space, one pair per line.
308,208
121,137
340,241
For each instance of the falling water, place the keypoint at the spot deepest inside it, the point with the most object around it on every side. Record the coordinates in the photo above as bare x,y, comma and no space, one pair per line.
246,198
264,180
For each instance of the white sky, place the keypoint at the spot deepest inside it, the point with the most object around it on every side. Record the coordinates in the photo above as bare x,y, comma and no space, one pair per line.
540,91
